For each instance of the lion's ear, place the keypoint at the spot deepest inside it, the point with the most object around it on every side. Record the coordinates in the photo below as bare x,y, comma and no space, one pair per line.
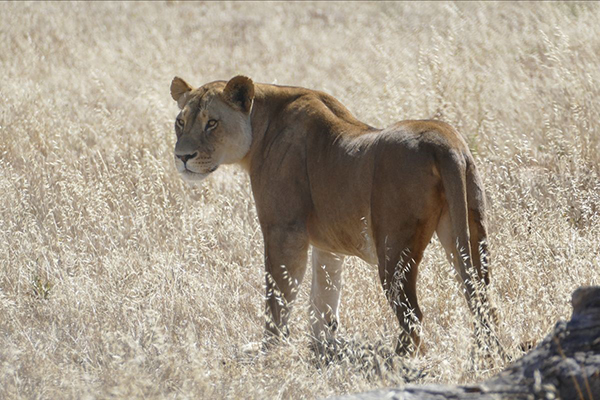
180,91
239,92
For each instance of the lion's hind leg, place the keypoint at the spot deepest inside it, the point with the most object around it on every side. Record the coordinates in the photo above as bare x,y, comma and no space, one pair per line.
399,257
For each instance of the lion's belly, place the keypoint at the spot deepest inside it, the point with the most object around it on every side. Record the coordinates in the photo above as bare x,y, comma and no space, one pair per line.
352,236
340,178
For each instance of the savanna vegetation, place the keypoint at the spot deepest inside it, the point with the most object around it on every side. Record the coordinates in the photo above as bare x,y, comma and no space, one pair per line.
120,280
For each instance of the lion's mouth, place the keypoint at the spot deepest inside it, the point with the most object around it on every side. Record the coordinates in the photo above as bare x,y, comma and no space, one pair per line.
195,176
190,172
209,171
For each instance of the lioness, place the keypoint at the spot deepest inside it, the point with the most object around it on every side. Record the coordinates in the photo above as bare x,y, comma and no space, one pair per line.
322,178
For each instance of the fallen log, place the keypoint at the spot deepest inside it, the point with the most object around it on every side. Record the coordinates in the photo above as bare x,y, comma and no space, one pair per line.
565,365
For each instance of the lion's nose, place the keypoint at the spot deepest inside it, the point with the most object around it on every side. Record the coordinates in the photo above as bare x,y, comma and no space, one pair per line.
186,157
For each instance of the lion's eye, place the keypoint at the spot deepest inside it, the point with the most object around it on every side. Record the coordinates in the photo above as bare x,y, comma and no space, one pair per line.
211,124
179,122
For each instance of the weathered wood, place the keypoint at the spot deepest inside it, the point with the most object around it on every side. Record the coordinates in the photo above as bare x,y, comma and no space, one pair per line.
565,365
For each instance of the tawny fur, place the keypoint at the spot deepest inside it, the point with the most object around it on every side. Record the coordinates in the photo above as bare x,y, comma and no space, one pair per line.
320,177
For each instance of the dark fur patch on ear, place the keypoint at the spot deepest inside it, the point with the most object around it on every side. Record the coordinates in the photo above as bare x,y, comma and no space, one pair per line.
239,92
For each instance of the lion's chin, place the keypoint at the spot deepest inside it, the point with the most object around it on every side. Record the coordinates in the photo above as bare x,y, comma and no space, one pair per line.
190,176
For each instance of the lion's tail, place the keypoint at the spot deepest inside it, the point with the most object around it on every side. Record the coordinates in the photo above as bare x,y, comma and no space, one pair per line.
466,207
477,221
453,171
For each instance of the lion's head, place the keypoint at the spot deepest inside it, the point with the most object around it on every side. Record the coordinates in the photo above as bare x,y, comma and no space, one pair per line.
213,126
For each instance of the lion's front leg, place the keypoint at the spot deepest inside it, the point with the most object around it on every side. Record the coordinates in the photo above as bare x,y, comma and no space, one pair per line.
285,263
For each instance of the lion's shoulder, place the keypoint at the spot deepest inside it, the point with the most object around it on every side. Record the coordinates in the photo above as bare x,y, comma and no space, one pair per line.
290,101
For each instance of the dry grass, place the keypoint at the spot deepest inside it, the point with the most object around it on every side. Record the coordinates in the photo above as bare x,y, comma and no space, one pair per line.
118,279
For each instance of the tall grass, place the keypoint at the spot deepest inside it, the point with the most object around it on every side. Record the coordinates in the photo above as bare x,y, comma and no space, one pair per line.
118,279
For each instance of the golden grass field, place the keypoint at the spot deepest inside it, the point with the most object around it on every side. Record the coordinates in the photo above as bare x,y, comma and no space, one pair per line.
120,280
